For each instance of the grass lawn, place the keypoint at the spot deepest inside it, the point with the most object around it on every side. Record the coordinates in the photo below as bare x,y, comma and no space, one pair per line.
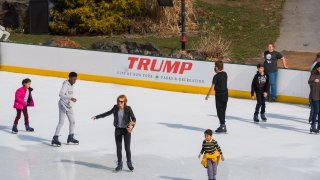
164,44
249,24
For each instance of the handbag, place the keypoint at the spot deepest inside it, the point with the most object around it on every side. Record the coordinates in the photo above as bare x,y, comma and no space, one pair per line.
131,126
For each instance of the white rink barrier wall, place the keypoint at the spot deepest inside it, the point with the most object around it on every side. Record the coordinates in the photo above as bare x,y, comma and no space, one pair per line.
145,71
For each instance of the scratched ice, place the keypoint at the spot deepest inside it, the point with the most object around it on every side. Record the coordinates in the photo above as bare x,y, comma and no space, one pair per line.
165,142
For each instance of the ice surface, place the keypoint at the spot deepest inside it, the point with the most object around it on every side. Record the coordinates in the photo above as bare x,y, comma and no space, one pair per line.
165,142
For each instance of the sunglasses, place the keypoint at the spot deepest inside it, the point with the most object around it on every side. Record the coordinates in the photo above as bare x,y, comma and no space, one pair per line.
121,101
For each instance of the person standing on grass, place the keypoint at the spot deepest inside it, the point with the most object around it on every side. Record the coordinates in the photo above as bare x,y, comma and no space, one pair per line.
271,58
124,122
23,99
3,33
66,109
260,86
219,84
314,82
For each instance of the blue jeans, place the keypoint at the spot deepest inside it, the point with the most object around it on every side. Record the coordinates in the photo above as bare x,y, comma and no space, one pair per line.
316,112
273,84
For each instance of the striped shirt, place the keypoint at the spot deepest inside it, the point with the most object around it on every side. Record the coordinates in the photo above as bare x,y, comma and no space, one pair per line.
210,147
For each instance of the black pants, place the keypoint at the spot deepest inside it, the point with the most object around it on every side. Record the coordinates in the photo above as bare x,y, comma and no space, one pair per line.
119,134
261,103
221,106
311,111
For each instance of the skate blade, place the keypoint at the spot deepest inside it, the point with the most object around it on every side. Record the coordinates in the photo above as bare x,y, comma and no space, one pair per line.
14,132
115,171
55,145
72,143
221,132
313,133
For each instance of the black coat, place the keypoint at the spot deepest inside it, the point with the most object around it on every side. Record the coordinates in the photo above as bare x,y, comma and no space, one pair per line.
128,115
258,86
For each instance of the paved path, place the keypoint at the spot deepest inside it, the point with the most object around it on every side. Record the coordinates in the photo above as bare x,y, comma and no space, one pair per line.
300,28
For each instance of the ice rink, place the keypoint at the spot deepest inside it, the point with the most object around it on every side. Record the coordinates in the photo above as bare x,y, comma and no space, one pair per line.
165,142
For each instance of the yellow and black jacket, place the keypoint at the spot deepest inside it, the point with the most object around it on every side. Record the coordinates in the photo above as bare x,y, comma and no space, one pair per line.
211,150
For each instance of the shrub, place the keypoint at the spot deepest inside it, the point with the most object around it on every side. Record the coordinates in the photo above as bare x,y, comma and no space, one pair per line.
213,46
165,20
92,16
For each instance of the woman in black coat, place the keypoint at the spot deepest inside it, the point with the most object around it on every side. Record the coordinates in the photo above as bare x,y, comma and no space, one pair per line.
124,122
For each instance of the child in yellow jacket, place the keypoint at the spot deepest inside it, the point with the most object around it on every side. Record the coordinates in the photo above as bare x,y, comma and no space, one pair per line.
212,154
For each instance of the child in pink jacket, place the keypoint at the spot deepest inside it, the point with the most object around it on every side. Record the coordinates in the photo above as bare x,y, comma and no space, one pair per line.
23,99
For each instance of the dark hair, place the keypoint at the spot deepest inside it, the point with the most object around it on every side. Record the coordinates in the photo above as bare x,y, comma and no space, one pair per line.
26,81
73,74
271,43
219,65
315,69
318,55
315,72
259,65
208,132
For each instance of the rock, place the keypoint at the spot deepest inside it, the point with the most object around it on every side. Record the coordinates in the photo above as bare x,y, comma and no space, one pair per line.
123,48
14,13
51,42
130,47
197,55
97,45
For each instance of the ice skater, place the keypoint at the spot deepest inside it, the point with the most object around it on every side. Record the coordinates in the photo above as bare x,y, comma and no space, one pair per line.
66,109
212,154
260,86
314,82
312,68
124,122
23,99
219,84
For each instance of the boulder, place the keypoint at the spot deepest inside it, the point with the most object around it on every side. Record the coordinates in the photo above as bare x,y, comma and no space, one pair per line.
14,13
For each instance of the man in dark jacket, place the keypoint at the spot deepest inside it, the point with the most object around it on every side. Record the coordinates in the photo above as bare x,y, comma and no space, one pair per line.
312,68
260,85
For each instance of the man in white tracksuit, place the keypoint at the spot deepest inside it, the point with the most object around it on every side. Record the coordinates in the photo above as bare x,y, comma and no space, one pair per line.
4,33
65,110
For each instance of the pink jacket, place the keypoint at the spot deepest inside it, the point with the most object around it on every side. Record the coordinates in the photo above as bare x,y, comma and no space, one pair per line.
19,102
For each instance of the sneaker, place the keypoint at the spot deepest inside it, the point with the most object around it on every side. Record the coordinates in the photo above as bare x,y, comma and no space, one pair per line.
263,117
256,118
